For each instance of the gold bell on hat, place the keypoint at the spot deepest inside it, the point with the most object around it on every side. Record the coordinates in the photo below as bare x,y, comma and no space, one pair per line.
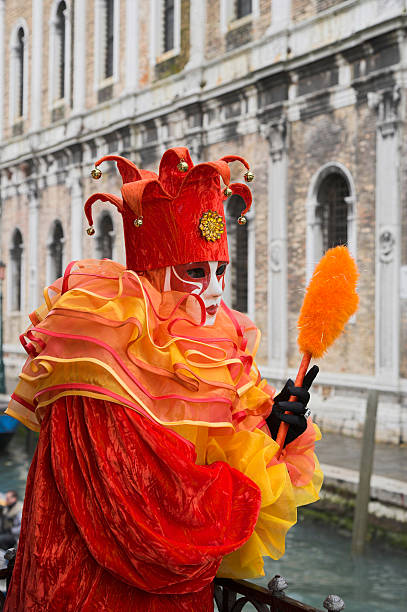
90,231
182,166
242,220
227,192
96,173
249,176
138,221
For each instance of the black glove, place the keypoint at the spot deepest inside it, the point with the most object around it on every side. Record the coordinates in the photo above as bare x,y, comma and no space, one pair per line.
297,421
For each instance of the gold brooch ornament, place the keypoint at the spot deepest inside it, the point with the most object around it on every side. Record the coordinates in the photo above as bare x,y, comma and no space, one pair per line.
211,225
96,173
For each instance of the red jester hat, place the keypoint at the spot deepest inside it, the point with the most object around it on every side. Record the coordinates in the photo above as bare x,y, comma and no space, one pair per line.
176,217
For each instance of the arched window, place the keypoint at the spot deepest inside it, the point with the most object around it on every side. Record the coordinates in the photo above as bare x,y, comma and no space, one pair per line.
243,8
107,33
105,237
330,212
236,282
16,275
166,38
109,38
59,57
18,72
60,40
233,10
168,23
55,258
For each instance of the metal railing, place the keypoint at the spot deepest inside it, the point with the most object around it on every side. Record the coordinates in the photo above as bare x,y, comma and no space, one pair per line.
233,595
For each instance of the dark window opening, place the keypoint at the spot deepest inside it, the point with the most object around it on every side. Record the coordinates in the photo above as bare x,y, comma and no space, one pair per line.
243,8
238,254
16,258
61,42
169,16
332,210
56,251
109,38
20,82
105,238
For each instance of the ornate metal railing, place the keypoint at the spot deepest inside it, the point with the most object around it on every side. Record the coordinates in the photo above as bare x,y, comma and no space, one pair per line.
231,595
6,573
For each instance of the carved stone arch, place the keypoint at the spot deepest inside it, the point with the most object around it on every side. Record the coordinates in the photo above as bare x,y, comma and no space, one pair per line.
314,246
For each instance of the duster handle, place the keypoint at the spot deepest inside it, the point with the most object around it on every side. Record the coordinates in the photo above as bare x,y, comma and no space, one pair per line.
282,430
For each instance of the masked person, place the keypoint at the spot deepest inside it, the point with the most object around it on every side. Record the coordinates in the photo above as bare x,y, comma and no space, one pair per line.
155,468
10,520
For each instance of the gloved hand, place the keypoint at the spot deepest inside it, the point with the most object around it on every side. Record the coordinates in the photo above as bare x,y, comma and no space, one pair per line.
298,419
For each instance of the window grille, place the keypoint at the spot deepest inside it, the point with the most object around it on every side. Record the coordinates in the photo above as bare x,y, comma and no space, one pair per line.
168,22
20,72
243,8
238,255
332,210
105,238
60,49
56,252
109,38
16,258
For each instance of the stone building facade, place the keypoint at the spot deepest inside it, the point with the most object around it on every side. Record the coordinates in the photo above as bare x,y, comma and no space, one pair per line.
311,92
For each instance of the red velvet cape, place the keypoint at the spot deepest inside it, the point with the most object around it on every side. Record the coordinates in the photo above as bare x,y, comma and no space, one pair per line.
117,516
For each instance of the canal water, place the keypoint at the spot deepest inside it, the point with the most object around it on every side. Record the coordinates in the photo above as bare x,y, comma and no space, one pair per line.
317,562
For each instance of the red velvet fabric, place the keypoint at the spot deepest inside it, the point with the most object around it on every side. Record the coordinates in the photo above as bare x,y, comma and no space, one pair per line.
117,516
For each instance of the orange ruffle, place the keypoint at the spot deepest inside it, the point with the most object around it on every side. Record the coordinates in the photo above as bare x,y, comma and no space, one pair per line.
106,332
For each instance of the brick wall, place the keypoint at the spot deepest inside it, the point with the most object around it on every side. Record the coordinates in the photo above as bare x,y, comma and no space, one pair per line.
215,41
346,136
304,9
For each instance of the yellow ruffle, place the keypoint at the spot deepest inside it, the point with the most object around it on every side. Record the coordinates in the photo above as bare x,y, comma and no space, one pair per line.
250,452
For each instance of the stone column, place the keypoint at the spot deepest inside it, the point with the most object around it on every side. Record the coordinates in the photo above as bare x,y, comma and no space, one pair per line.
277,246
2,50
79,58
77,214
197,33
32,263
388,214
36,65
280,15
132,41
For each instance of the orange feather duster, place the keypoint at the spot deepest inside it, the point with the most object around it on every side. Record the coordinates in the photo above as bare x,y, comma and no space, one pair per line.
330,300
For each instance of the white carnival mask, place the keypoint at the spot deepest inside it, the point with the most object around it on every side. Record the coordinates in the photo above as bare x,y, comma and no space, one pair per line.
205,278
